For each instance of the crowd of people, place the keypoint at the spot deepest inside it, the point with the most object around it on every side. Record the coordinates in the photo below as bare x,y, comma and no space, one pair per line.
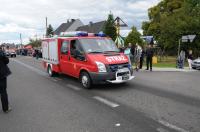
182,57
137,54
37,53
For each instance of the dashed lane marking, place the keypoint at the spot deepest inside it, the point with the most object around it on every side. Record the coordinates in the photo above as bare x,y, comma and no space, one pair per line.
102,100
31,68
118,124
167,124
105,101
162,130
73,87
45,74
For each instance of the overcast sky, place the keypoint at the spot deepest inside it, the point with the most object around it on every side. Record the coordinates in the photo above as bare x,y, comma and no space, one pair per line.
28,16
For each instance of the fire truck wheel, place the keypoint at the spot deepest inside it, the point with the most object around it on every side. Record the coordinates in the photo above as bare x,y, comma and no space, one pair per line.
86,80
50,72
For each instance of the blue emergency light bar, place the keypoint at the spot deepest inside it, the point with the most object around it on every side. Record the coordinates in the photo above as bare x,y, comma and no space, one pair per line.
80,34
74,34
100,34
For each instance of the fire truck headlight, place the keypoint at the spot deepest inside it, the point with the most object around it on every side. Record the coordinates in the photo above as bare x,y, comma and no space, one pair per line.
101,67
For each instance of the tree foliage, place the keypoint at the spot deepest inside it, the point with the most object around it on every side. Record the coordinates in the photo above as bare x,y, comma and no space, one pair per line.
171,19
49,30
133,37
109,27
35,42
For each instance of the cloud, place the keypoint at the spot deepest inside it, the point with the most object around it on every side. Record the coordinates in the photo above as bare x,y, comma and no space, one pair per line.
142,4
28,17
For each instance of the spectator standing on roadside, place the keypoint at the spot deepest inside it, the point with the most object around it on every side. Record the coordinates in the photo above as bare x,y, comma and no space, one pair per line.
149,56
36,54
190,58
132,52
127,52
4,72
142,58
182,57
138,52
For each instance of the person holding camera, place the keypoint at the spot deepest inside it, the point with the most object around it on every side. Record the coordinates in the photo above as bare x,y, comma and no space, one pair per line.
4,72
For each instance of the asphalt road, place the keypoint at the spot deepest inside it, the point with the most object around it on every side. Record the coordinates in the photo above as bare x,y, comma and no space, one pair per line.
152,102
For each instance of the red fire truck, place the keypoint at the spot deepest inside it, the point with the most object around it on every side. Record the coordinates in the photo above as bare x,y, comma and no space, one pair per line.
92,58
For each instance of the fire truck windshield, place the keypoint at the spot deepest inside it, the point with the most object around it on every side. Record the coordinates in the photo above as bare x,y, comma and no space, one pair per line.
101,45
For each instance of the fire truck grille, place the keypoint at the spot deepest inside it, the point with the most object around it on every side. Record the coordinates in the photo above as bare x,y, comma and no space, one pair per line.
115,67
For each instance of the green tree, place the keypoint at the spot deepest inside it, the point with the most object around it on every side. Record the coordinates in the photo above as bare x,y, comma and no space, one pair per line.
109,27
35,42
49,30
133,37
171,19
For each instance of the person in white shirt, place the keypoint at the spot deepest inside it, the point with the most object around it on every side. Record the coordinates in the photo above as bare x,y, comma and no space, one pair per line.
138,53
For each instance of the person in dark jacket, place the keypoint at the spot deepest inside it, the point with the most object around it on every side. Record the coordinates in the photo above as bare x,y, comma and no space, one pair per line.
4,72
132,50
142,58
37,54
149,56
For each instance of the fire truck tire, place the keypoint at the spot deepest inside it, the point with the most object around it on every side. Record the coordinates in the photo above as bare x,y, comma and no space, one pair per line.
49,71
85,80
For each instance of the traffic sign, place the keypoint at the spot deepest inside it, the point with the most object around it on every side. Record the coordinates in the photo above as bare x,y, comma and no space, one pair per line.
191,38
188,38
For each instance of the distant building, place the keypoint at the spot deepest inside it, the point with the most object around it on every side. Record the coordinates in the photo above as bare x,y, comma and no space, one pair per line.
8,45
71,25
77,25
28,46
92,27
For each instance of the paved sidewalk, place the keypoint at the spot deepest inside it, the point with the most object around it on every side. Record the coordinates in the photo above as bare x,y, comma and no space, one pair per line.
186,69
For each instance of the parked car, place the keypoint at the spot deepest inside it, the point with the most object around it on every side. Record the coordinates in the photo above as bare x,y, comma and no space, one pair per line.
7,54
13,54
196,64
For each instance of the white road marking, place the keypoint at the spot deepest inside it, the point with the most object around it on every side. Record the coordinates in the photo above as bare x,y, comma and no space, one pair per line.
105,101
73,87
167,124
31,68
118,124
162,130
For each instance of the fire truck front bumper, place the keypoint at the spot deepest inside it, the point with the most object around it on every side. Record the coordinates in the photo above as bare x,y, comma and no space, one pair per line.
120,76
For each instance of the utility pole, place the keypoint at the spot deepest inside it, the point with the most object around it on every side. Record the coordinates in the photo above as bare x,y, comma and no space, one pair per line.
20,35
179,46
46,27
